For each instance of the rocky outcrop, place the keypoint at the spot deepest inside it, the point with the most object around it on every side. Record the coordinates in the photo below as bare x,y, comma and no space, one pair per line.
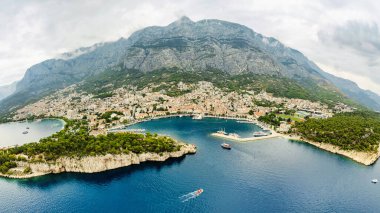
366,158
93,164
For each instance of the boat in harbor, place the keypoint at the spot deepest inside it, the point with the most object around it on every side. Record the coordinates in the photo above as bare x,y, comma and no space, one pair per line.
259,134
25,132
245,122
225,146
27,127
197,117
223,132
234,135
374,181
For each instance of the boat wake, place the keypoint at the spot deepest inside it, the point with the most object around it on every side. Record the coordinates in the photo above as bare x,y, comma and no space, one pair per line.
191,195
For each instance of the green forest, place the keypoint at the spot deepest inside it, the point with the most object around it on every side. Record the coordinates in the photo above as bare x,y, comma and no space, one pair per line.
74,141
358,131
271,119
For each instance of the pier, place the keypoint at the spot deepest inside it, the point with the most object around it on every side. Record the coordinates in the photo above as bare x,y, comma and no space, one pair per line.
234,138
127,130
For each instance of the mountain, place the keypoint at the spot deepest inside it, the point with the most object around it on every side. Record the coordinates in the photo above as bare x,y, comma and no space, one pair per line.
352,90
188,46
375,97
7,90
50,75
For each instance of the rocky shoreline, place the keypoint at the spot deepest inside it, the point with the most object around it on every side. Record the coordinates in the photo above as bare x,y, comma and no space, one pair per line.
93,164
366,158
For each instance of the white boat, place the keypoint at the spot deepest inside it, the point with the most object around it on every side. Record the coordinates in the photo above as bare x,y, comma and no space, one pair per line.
234,135
374,181
245,122
197,117
259,134
225,146
222,131
198,192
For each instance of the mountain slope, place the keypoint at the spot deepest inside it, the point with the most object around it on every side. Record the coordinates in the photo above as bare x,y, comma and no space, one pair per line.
185,45
50,75
352,90
7,90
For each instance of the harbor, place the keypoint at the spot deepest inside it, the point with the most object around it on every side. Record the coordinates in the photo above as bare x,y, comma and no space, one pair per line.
219,134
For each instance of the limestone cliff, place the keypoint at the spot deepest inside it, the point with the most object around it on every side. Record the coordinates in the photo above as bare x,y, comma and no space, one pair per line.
366,158
92,164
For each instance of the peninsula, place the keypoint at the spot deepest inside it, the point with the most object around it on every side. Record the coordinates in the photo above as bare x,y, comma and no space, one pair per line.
74,150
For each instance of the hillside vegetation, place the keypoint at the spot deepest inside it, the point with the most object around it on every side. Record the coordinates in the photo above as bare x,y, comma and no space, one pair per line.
168,79
74,141
358,131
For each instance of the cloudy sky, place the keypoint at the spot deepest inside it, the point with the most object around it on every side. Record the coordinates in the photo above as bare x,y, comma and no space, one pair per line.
341,36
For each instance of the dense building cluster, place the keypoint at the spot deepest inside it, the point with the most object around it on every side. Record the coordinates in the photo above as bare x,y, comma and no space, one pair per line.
131,104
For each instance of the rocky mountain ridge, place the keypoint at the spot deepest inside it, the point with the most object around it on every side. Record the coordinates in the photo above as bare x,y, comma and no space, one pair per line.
7,90
189,46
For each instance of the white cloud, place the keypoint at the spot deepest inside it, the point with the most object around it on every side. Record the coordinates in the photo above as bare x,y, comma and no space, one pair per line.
32,31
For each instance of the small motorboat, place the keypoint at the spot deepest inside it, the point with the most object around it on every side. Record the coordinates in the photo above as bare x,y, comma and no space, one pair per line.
191,195
259,134
197,117
27,127
234,135
374,181
25,132
198,192
225,146
221,132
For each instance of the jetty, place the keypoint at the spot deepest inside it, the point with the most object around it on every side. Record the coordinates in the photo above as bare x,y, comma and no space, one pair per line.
247,139
126,130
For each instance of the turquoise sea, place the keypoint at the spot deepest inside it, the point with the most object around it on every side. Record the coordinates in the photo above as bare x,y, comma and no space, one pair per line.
274,175
12,133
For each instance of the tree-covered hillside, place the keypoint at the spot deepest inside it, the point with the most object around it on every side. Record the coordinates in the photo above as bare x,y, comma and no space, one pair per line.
74,141
358,131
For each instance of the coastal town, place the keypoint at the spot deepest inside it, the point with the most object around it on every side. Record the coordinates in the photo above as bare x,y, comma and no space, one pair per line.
128,105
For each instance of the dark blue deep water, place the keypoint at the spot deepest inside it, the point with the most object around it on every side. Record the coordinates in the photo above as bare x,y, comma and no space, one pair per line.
274,175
